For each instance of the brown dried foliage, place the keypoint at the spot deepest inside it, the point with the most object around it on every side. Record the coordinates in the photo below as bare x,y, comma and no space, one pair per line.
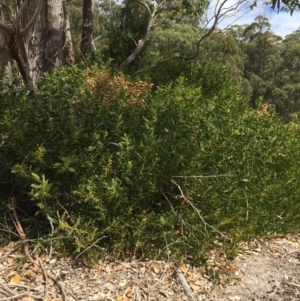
111,88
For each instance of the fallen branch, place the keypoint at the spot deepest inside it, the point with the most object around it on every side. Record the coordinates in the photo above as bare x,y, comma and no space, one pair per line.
46,280
188,291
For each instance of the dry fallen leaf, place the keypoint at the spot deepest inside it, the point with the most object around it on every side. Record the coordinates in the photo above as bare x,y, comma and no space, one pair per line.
119,298
10,260
183,268
155,268
35,268
15,279
129,295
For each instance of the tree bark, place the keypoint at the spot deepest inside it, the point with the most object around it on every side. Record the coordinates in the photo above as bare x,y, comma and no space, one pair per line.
68,45
141,43
87,28
37,38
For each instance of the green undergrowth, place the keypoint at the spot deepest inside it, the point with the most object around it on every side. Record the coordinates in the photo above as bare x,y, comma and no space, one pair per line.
101,163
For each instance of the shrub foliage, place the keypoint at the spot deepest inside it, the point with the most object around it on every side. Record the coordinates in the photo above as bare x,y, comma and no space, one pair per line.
95,155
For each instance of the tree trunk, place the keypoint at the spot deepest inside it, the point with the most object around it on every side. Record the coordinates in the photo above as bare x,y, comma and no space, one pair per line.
37,38
67,38
87,28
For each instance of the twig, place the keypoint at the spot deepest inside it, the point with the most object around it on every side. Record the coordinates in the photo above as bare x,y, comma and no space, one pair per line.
199,214
46,280
288,254
20,228
247,203
7,289
148,294
60,285
19,296
89,247
200,177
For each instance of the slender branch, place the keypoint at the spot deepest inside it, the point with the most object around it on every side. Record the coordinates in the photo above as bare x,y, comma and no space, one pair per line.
220,12
198,213
2,3
93,244
33,19
46,281
20,11
20,296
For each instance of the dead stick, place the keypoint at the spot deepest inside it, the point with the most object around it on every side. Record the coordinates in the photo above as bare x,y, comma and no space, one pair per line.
188,291
19,296
46,281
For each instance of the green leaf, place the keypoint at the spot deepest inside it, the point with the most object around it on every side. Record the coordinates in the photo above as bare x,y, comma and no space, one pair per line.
36,177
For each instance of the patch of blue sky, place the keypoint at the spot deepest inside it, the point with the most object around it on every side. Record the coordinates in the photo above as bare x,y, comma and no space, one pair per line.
282,23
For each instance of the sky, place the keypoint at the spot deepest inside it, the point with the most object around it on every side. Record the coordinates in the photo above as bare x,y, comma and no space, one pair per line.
282,23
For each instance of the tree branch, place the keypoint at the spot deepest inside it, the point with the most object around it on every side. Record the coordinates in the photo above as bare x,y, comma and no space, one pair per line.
2,3
141,42
220,12
20,11
33,19
7,28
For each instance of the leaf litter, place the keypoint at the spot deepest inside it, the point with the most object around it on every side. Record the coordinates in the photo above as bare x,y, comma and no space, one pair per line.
267,269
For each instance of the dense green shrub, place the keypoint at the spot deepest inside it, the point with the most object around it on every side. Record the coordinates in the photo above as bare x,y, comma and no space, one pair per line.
94,154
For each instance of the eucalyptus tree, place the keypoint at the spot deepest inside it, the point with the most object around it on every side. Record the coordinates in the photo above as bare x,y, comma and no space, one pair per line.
87,28
286,92
155,14
260,55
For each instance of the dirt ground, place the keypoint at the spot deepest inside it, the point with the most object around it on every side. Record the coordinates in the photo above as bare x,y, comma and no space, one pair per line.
266,270
270,272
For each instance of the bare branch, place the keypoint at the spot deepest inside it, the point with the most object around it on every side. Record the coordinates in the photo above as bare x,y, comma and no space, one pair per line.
145,5
7,28
93,244
220,12
2,3
141,42
20,11
33,19
187,200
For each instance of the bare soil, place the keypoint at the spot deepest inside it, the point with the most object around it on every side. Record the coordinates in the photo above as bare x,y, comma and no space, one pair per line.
266,270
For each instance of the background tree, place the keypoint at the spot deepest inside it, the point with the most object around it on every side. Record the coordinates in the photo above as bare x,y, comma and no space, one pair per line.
286,93
260,56
87,28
